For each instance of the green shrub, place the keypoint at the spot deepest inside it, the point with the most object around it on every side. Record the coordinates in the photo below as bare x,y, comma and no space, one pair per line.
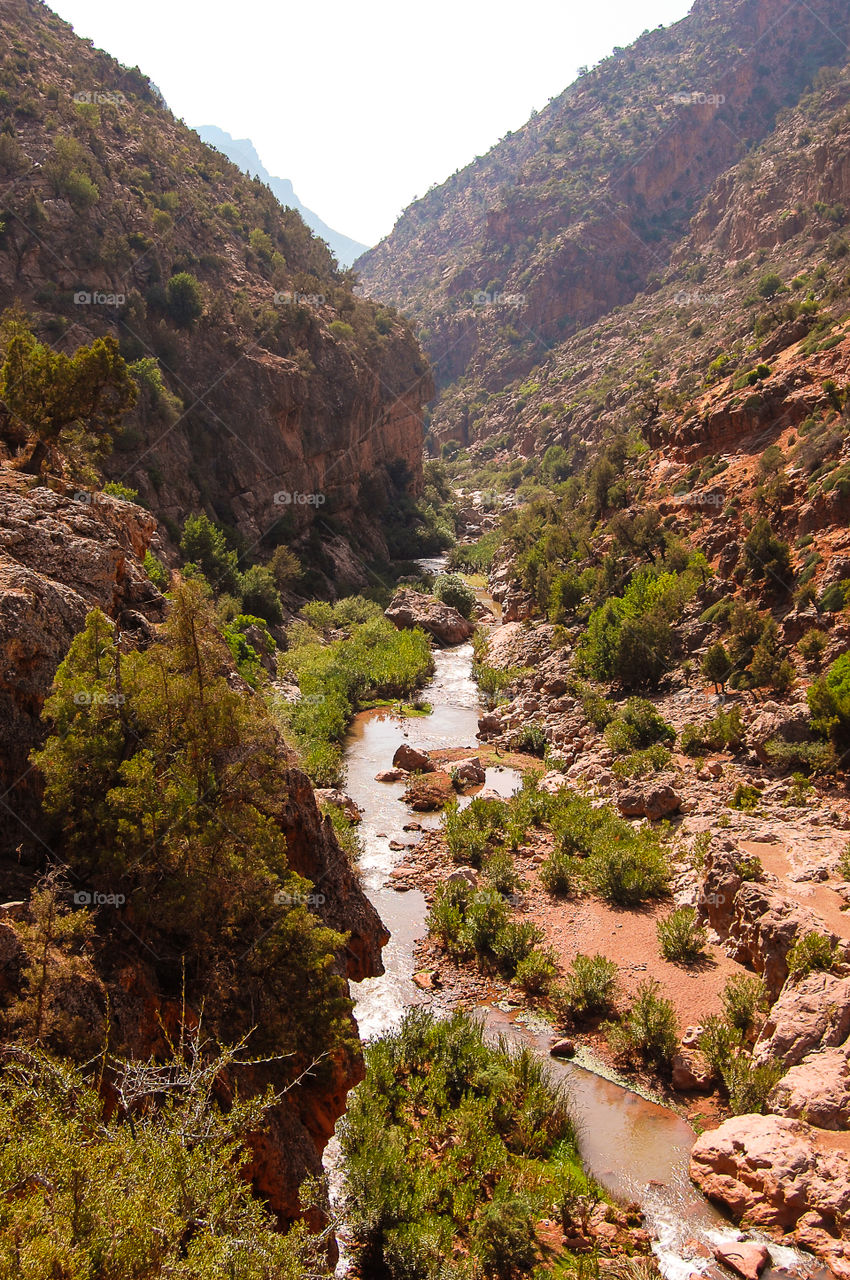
260,594
156,570
811,952
451,589
184,299
812,645
746,1083
717,666
134,1195
627,869
630,638
589,989
341,329
515,942
122,491
205,544
829,702
471,832
768,558
745,1001
440,1115
725,732
500,872
531,739
649,1031
681,938
745,798
640,764
536,972
556,873
637,727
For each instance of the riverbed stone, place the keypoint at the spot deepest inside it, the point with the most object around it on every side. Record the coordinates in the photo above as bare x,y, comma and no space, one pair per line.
747,1258
412,759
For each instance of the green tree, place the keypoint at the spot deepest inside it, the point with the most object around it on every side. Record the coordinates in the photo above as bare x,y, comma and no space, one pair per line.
716,666
55,396
184,298
205,544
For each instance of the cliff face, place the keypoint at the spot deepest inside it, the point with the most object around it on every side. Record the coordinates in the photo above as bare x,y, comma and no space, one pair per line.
577,213
285,383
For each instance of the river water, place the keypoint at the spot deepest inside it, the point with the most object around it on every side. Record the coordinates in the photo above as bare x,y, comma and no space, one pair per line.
637,1150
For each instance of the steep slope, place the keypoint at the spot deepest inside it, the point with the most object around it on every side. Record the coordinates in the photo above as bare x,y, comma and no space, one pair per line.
284,384
582,208
244,155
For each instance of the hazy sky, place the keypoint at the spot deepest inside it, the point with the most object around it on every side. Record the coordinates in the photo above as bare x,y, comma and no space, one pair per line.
364,106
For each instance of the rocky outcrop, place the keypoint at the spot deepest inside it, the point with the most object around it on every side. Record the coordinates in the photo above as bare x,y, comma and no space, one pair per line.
412,759
769,1172
811,1013
757,921
817,1090
60,555
409,609
652,800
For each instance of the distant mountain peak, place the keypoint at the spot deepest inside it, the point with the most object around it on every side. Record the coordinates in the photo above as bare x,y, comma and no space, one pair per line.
244,154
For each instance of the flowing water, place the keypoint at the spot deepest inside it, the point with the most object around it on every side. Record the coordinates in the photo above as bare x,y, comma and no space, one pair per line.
636,1149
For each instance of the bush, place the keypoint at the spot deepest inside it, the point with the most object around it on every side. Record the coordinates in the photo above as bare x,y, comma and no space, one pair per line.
768,558
589,989
556,873
745,1000
747,1085
184,299
451,589
630,638
724,733
745,798
717,666
531,739
640,764
649,1031
829,702
637,727
812,645
441,1114
471,833
681,938
628,867
515,942
536,973
812,952
260,594
156,571
205,544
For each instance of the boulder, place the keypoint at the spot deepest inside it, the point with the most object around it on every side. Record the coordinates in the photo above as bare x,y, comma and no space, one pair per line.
409,609
770,1172
817,1090
747,1258
812,1013
488,724
332,795
464,875
468,773
562,1048
651,800
391,775
553,782
789,724
691,1073
412,760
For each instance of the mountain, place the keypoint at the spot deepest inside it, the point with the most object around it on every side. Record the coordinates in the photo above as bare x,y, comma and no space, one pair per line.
285,383
244,154
584,207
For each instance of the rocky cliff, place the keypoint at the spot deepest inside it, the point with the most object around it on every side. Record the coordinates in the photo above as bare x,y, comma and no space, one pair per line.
273,379
583,208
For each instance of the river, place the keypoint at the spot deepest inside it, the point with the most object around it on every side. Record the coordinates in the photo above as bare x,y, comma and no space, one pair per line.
637,1149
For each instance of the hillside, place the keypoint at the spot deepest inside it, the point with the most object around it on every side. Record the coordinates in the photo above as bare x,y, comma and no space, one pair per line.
585,206
243,153
272,377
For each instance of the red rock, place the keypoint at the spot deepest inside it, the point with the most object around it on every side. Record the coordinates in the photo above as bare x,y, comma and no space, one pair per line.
412,760
748,1258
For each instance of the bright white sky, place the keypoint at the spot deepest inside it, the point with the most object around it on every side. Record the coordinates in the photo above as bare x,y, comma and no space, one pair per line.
363,106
